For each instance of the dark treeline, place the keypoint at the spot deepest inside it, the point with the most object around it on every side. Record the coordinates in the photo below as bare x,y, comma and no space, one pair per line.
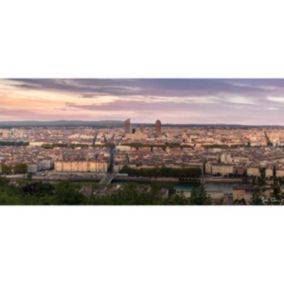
13,143
163,172
163,146
65,145
19,168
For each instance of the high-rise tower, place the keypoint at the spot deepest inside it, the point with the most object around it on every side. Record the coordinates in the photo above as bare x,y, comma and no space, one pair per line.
127,125
158,127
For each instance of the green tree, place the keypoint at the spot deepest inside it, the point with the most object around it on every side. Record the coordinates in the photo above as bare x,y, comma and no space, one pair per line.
6,170
20,168
38,189
256,200
66,194
276,191
4,181
199,196
177,200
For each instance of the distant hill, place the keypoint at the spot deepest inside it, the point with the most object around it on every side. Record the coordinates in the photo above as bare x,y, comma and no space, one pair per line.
62,123
116,124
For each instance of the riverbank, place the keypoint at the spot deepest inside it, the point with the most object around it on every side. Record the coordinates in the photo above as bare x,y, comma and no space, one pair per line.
52,176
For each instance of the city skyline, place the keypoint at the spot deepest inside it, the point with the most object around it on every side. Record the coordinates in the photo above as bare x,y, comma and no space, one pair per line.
176,101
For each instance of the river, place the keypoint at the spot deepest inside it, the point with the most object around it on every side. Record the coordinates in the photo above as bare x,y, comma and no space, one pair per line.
210,187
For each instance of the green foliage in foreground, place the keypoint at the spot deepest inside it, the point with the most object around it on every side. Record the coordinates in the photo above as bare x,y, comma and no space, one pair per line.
199,196
65,193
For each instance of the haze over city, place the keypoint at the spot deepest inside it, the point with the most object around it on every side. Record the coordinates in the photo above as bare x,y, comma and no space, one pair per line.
187,101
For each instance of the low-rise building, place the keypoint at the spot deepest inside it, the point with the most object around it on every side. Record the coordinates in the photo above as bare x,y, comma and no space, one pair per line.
208,168
269,172
240,194
222,169
280,172
253,171
45,165
32,168
81,166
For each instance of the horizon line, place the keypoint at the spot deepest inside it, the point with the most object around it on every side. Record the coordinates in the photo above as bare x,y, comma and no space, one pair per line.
134,123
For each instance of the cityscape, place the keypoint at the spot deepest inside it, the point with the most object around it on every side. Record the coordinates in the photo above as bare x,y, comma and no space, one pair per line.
141,142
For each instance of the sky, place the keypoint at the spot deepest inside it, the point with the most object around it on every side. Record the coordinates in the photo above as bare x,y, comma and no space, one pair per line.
188,101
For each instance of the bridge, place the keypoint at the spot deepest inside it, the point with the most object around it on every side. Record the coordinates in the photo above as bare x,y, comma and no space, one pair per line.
110,176
107,179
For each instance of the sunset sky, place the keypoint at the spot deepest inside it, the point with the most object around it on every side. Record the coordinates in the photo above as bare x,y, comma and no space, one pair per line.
238,101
